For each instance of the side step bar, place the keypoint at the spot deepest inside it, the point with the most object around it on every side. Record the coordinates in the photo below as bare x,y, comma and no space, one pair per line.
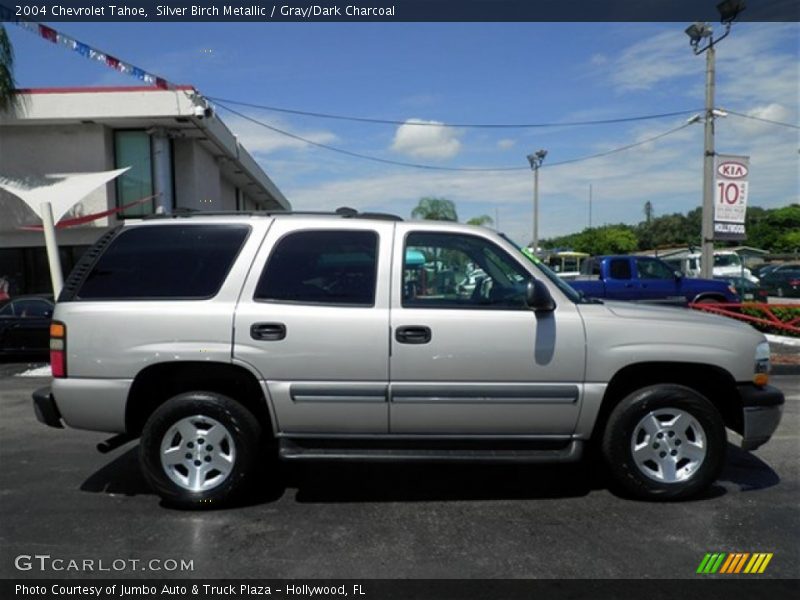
379,451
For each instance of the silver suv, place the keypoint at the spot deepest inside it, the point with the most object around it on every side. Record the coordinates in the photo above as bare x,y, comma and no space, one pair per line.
217,339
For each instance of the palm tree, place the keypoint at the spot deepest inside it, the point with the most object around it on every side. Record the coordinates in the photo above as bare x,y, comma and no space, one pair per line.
7,98
435,209
481,220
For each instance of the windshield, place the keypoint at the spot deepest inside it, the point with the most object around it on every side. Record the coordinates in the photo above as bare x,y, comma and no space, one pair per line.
727,260
569,292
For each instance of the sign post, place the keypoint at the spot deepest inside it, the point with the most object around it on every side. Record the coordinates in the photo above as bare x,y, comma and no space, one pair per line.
730,196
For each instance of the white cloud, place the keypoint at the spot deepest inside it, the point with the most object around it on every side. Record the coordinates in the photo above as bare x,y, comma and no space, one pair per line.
426,139
668,172
646,63
506,144
750,63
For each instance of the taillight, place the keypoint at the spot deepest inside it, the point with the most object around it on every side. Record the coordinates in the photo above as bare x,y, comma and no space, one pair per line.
794,282
58,349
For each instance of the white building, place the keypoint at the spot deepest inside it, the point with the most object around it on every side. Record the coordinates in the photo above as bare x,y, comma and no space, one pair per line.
181,154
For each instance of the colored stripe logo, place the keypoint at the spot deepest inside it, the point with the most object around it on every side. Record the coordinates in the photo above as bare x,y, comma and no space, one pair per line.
734,563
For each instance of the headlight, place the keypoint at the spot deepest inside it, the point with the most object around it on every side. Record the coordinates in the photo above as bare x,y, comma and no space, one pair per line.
761,370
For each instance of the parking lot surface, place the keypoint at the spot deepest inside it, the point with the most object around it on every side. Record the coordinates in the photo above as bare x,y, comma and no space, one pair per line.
62,498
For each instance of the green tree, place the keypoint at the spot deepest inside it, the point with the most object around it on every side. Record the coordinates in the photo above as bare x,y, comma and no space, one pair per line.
481,220
609,239
435,209
789,241
7,85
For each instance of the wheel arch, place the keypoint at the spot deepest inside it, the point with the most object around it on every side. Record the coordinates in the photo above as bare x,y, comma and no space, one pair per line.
715,383
157,383
716,297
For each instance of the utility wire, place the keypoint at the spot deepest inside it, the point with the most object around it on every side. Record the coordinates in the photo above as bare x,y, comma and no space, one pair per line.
763,120
459,125
440,168
620,149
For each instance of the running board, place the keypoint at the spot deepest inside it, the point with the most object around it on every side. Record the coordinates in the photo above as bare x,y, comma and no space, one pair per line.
380,451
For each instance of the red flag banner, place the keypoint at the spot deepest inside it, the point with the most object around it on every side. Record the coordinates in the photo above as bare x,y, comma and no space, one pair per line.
64,223
48,34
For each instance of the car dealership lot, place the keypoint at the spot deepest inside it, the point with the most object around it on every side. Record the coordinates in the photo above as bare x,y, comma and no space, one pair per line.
62,498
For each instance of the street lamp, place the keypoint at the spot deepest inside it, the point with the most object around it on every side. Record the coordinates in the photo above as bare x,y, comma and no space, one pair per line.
536,160
698,32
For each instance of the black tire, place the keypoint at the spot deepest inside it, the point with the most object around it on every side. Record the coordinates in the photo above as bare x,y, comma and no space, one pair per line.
242,443
642,481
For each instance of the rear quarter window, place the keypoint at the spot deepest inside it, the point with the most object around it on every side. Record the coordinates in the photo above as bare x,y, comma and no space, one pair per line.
166,261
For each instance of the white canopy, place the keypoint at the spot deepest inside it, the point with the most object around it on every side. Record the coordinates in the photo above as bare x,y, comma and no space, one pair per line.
62,190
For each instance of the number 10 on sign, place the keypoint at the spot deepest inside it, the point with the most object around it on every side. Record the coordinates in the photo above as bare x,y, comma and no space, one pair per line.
730,203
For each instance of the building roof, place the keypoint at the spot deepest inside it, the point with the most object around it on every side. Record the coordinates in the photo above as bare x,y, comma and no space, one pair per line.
182,111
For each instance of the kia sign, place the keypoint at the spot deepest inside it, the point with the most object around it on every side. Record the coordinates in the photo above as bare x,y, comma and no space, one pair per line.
730,196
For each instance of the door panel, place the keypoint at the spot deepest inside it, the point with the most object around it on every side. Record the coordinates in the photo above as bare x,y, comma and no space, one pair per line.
316,326
621,283
490,367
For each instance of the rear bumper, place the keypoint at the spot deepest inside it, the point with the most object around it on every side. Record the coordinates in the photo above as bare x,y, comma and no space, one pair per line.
762,408
45,408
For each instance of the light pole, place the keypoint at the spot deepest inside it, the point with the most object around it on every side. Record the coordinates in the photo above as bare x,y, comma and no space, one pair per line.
536,160
728,10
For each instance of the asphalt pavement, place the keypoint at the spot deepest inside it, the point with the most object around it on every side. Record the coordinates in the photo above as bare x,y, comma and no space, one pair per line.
60,497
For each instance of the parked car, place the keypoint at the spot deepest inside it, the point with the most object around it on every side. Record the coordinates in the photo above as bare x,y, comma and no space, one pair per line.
25,326
727,263
746,289
765,268
224,341
783,281
647,279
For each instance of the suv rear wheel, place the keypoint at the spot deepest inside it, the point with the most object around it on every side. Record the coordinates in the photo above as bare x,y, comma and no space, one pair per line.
664,442
198,449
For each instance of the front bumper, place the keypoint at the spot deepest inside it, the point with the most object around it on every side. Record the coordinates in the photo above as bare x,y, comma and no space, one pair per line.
762,408
45,408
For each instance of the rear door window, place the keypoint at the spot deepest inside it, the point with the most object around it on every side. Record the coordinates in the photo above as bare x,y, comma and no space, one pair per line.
322,267
187,262
620,268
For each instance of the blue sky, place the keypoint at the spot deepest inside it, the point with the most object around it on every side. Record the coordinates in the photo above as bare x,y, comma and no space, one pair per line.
468,73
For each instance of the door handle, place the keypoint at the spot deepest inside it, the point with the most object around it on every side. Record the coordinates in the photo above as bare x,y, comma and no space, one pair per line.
413,334
268,332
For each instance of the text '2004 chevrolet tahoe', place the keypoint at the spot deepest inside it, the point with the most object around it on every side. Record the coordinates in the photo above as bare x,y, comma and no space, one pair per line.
353,336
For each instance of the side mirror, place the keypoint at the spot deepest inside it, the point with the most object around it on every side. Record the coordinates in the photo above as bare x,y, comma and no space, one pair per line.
538,297
678,274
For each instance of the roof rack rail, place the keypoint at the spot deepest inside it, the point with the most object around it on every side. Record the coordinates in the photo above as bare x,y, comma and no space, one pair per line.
344,212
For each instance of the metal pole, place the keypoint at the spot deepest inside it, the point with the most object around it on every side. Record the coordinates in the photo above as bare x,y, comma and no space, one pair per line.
162,172
707,265
536,209
590,206
56,277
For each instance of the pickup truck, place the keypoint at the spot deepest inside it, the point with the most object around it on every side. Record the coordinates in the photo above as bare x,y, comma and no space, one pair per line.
647,279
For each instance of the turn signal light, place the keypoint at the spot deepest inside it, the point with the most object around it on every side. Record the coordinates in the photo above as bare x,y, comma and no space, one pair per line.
58,349
761,379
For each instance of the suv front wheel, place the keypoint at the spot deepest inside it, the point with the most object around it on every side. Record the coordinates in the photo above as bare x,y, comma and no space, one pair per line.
664,442
198,449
